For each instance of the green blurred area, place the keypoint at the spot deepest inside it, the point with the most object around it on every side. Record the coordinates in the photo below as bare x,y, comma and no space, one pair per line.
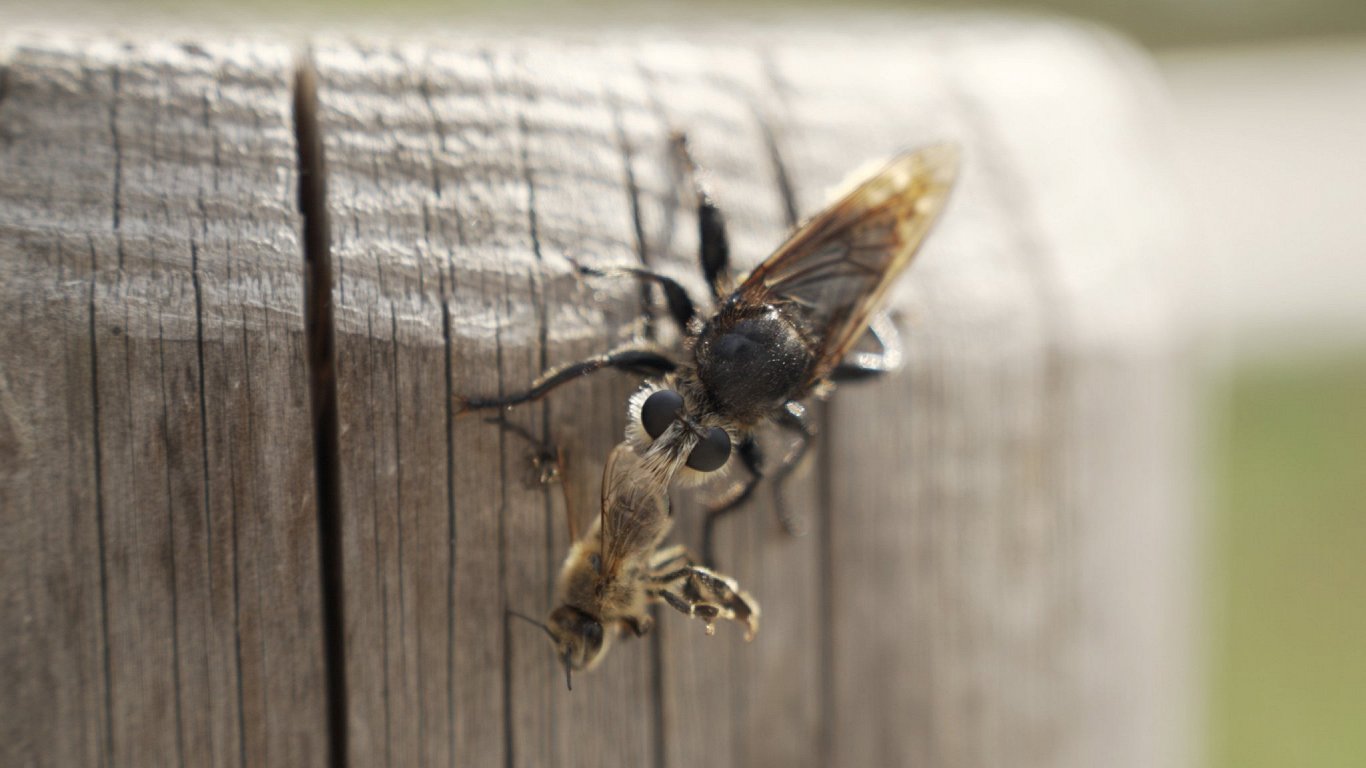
1288,604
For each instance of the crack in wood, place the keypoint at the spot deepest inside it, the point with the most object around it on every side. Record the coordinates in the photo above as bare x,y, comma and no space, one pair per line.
170,544
320,330
99,509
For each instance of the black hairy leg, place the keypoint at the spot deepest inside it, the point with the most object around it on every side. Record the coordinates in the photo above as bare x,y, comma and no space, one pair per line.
751,456
642,361
682,309
547,459
792,418
867,365
714,244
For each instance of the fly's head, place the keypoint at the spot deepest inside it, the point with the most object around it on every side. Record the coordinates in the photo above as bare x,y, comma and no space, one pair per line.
675,435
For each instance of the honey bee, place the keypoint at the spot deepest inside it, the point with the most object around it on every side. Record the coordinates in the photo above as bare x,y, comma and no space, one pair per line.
616,571
784,334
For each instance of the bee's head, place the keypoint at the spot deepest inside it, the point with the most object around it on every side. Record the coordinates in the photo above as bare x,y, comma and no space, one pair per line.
579,639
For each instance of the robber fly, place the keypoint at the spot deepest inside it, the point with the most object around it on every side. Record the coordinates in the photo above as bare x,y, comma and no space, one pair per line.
616,571
785,333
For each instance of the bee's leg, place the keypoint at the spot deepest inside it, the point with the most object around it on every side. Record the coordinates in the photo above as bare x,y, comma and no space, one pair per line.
792,417
639,625
866,365
669,577
672,599
711,596
639,360
752,458
681,306
714,250
671,556
694,609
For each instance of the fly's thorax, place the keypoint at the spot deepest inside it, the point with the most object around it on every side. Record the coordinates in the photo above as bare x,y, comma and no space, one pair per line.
751,360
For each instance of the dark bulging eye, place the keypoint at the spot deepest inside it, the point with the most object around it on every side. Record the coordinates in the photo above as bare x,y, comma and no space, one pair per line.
592,632
712,452
659,411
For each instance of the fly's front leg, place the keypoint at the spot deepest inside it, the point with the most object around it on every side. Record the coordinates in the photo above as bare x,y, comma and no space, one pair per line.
547,459
548,465
643,361
681,306
751,456
714,244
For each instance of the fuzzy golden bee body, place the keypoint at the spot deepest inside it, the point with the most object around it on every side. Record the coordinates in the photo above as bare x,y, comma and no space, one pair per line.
617,571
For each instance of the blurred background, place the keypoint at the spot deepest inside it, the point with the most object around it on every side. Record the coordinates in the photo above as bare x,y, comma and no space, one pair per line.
1268,107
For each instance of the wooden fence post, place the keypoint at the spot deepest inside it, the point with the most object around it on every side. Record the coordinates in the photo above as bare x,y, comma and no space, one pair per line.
998,569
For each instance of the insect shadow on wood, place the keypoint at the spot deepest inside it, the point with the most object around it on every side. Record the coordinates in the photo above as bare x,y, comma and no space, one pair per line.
784,334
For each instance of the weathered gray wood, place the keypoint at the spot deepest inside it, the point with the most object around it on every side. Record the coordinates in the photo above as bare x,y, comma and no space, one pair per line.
434,161
934,613
996,569
727,701
994,600
160,590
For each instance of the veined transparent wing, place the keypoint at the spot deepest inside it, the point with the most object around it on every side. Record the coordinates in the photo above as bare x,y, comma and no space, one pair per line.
835,270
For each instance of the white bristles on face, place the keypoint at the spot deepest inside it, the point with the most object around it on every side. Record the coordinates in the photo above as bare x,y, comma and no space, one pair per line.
673,466
635,427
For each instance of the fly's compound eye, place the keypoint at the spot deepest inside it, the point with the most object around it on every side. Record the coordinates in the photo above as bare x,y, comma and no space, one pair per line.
712,452
659,411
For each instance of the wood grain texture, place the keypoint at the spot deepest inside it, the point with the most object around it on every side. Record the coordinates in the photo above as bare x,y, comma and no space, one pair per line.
939,613
160,594
997,569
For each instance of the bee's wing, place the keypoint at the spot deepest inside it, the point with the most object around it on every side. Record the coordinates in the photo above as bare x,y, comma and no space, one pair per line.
835,270
631,515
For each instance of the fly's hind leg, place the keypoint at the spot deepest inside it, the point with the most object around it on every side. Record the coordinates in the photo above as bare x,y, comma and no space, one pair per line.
643,361
867,365
714,244
793,418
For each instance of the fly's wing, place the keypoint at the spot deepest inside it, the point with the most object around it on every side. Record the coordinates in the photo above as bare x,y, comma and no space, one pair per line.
836,269
633,519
